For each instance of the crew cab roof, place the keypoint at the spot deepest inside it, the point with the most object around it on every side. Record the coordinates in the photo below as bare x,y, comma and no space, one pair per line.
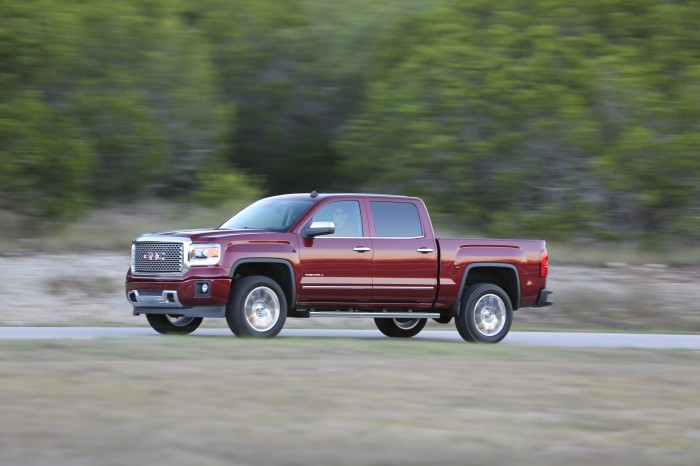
320,196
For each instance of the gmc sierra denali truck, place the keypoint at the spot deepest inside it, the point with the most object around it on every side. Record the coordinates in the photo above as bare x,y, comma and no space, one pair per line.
334,255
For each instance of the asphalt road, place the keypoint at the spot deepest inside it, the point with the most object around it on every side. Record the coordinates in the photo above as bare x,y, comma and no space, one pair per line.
555,339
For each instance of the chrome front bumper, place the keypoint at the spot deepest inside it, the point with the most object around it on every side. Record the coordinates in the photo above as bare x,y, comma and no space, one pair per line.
167,302
164,299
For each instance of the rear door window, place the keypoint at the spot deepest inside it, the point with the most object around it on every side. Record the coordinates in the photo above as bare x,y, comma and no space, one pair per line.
396,219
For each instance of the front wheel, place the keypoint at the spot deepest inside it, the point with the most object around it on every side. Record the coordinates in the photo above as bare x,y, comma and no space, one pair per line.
257,307
400,328
173,325
486,314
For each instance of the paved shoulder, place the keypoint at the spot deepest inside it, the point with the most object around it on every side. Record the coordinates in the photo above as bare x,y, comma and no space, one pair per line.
555,339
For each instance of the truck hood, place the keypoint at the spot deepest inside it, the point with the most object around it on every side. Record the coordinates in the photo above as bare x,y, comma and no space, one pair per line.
204,236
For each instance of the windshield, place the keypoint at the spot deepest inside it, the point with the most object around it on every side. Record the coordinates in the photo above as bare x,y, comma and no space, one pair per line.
268,214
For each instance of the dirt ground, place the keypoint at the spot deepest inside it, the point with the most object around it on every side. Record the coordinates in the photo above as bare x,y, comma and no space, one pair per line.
86,288
225,401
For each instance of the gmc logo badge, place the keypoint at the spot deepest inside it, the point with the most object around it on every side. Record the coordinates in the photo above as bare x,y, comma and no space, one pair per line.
154,256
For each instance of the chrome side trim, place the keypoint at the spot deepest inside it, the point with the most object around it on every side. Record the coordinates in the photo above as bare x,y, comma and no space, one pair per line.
371,237
344,237
379,287
340,287
376,315
360,287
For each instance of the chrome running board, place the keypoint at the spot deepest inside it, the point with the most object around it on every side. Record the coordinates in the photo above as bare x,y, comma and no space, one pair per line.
376,314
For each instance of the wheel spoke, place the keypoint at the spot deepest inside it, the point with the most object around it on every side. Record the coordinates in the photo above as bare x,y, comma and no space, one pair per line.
262,308
489,315
406,324
179,321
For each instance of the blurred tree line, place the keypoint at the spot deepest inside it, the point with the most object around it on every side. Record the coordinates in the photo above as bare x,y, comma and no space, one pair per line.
558,118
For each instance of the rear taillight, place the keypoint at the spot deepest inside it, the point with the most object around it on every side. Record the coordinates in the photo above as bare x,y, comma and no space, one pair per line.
544,264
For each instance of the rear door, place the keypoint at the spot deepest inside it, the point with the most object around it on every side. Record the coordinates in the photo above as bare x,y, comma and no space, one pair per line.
337,268
405,253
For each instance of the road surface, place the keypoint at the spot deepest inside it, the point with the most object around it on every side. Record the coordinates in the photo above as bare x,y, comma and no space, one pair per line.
556,339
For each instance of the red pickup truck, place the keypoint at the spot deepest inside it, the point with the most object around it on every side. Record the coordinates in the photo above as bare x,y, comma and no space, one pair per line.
334,255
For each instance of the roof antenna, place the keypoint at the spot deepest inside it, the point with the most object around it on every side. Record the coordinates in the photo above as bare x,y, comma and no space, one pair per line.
314,194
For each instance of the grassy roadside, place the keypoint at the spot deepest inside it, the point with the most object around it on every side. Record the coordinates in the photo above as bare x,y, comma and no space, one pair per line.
219,401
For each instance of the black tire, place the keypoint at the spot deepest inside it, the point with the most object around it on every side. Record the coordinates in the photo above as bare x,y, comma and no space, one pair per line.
400,328
257,307
173,324
486,314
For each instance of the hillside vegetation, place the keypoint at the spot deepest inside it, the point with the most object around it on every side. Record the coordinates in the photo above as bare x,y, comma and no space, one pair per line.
556,118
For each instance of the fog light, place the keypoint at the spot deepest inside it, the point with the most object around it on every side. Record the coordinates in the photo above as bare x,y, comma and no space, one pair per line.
205,288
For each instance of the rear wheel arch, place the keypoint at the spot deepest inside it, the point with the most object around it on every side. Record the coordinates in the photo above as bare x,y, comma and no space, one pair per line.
505,276
279,270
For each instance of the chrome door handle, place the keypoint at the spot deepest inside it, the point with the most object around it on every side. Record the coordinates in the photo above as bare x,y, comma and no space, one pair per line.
424,250
361,249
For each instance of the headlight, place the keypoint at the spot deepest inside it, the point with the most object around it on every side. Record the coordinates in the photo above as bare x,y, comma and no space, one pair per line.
204,254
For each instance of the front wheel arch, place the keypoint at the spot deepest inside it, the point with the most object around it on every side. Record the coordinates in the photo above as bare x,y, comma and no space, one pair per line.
257,307
279,270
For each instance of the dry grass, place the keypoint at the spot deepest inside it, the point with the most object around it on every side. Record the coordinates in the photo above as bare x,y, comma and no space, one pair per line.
597,253
113,228
87,288
622,299
222,401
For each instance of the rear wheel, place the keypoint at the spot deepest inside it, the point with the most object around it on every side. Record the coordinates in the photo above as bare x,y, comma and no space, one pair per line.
257,307
400,328
486,314
173,324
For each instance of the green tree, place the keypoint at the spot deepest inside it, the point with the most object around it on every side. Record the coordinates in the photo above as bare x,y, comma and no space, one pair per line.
536,117
296,72
106,100
647,97
45,165
147,98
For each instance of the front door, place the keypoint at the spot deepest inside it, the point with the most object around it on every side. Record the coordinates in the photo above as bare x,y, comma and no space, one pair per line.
337,268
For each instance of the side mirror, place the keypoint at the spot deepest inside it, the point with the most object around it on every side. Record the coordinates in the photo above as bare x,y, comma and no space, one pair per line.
318,229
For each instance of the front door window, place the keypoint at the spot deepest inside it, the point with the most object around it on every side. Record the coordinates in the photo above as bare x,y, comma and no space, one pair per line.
346,217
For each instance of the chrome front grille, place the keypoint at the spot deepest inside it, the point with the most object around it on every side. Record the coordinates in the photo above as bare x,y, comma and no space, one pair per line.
157,257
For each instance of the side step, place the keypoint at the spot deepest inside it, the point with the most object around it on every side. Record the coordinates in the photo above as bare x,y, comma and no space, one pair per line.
377,314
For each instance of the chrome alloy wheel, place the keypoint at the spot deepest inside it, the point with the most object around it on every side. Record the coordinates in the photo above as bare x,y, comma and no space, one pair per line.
489,315
262,308
179,321
406,324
